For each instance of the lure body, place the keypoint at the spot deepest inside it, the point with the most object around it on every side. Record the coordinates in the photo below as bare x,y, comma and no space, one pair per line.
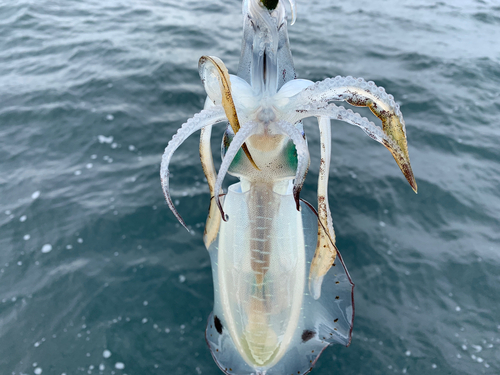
282,292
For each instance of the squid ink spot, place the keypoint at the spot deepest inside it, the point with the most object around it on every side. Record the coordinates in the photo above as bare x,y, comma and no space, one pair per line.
218,324
337,297
307,335
336,320
337,282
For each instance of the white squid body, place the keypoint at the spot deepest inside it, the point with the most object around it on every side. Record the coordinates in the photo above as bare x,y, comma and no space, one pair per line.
282,292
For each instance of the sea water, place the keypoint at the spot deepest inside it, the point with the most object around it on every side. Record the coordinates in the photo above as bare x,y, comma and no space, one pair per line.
96,275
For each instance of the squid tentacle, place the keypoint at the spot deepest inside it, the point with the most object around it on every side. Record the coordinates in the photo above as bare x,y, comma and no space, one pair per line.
204,118
355,91
358,92
347,115
325,252
302,157
239,139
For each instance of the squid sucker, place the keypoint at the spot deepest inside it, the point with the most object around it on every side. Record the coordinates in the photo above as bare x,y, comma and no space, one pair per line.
282,293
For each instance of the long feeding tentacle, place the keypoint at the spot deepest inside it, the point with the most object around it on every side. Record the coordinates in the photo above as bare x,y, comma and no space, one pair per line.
302,157
239,139
204,118
358,92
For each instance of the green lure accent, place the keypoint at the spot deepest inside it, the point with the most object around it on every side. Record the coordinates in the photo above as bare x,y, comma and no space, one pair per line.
270,4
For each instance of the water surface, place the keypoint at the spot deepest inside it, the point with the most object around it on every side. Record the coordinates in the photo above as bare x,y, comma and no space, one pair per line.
97,277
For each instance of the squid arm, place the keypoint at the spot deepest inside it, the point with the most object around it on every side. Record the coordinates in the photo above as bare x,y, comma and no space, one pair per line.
246,131
358,92
207,162
326,251
206,117
213,65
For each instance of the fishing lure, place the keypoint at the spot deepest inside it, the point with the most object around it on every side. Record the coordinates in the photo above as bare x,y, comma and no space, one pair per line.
282,291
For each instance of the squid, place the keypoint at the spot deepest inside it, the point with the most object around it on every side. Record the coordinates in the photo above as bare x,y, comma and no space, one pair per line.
282,293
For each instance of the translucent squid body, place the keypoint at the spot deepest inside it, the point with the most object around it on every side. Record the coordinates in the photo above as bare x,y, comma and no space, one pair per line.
282,292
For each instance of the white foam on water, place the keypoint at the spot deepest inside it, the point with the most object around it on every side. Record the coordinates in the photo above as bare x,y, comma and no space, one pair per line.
35,195
104,139
38,371
23,218
110,117
119,365
47,248
106,353
26,237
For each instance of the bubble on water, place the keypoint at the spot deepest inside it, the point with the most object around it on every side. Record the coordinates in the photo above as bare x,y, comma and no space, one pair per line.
131,147
182,278
78,173
19,263
23,218
89,165
119,365
106,353
79,240
434,365
144,320
381,223
26,237
464,347
145,303
93,156
457,308
35,195
47,248
7,212
35,364
114,145
167,330
38,371
110,117
69,247
101,367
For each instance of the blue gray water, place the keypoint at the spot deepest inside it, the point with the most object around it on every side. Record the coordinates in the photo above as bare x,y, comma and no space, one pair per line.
97,277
